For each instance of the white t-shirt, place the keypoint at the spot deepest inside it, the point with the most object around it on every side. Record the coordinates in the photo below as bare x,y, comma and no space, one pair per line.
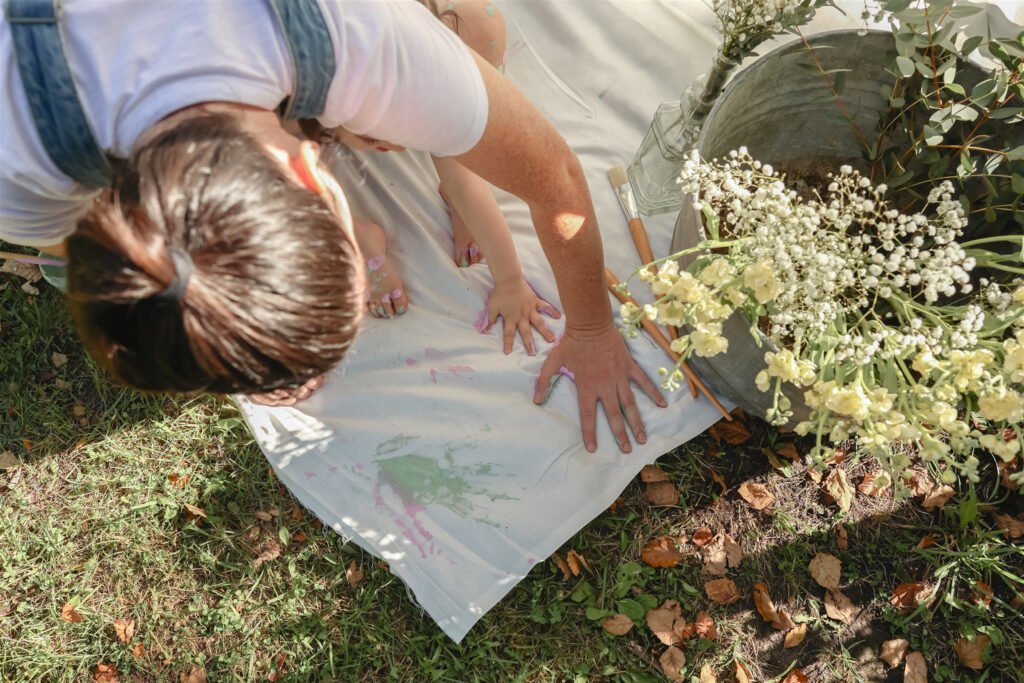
401,76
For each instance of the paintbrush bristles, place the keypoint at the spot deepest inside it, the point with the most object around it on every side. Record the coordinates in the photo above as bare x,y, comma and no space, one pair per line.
617,174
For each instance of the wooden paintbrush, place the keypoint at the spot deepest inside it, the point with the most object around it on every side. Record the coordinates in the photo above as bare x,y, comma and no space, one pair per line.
652,329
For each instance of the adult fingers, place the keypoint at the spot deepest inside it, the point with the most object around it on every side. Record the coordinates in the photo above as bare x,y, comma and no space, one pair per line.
613,411
545,381
640,378
588,420
627,401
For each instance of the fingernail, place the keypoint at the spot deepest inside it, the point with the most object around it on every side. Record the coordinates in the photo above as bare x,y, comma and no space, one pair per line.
662,403
591,447
465,263
401,309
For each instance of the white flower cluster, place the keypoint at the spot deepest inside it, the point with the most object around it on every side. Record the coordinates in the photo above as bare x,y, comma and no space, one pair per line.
874,311
745,23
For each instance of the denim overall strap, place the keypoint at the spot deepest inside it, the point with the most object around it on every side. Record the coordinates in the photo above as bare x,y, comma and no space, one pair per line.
50,90
312,54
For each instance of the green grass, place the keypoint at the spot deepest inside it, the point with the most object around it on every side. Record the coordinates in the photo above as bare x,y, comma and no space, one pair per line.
95,516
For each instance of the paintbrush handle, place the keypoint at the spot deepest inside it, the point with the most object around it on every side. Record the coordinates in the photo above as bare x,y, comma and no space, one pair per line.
691,377
643,244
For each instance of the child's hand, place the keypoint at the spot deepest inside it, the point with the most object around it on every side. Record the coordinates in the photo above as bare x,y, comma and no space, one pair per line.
518,306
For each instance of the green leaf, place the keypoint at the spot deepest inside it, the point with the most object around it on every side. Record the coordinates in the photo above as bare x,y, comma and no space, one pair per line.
956,88
595,613
897,5
1017,183
1015,153
970,45
839,84
283,534
648,601
965,162
1005,112
632,609
906,66
963,112
897,180
961,11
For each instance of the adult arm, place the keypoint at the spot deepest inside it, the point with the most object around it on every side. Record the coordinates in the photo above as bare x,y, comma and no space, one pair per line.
522,153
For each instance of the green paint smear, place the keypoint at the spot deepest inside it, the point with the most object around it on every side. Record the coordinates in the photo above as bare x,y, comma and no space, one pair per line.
491,10
394,444
421,481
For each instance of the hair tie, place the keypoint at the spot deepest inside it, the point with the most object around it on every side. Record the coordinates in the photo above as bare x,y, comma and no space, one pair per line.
182,274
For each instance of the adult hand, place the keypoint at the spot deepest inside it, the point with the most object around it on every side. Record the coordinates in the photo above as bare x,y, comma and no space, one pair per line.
289,397
602,370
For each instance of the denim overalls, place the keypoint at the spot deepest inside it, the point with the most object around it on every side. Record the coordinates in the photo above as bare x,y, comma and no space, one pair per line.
57,110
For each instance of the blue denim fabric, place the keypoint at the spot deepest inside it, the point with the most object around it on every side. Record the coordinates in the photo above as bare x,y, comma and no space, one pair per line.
312,53
50,89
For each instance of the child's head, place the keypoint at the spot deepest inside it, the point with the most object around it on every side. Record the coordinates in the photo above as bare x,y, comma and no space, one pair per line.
212,268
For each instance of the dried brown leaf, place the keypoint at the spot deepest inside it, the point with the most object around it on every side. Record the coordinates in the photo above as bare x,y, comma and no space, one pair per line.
105,673
29,271
720,480
757,495
196,675
734,432
138,650
125,629
722,591
915,670
937,497
971,651
786,622
564,566
763,603
194,511
576,562
835,485
662,620
788,451
723,551
652,473
875,483
68,614
271,553
661,552
702,536
907,595
707,674
705,626
893,651
616,505
9,462
795,676
842,538
921,483
662,493
838,606
982,594
261,515
795,636
618,625
826,569
59,359
672,661
742,672
1013,527
925,542
353,574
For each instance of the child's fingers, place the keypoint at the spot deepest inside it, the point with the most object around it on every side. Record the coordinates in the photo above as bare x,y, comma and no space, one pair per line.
526,333
509,332
542,327
475,254
385,303
549,309
399,300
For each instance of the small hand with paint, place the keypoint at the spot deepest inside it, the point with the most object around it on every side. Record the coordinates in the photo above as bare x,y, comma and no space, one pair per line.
519,308
289,397
385,295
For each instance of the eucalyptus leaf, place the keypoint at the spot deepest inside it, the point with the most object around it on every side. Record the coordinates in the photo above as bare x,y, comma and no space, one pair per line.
1015,153
970,45
905,65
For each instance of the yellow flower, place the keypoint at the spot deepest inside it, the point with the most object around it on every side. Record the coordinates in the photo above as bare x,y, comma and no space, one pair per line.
1006,405
686,288
707,340
679,344
970,366
718,272
762,381
708,310
1013,364
924,362
1006,450
760,277
1018,294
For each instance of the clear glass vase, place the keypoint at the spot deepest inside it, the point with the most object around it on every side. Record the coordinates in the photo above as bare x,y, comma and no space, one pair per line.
674,132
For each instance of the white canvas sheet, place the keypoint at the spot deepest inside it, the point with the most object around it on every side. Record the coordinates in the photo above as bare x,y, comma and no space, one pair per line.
424,447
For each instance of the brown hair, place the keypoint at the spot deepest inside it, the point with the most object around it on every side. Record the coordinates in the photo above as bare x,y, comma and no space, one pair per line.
276,294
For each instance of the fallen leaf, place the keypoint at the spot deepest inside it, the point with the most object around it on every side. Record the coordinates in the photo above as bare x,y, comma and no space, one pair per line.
734,432
1018,601
195,511
764,604
842,538
915,670
1005,470
297,513
662,493
702,536
893,651
661,552
786,622
838,606
261,515
138,650
937,497
125,629
279,669
179,480
720,481
907,595
826,570
9,462
720,553
685,629
652,473
835,485
705,626
1012,526
795,636
299,537
814,475
742,672
672,660
196,675
29,289
618,625
662,622
757,495
274,512
616,505
61,385
921,483
273,552
68,614
105,673
564,566
353,574
29,271
795,676
925,542
789,451
875,483
971,651
59,359
722,591
707,674
381,564
982,594
576,562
